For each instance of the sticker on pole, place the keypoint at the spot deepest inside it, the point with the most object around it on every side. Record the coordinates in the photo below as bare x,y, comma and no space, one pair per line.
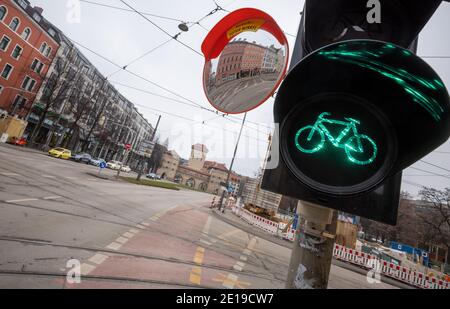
246,57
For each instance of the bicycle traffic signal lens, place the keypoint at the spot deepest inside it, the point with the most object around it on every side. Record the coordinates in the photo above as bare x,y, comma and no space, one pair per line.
344,150
352,145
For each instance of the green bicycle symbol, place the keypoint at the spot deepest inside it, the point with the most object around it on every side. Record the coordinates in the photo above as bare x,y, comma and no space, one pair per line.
314,139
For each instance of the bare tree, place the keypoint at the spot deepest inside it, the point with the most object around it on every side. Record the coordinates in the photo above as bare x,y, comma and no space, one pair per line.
406,231
435,217
80,107
56,89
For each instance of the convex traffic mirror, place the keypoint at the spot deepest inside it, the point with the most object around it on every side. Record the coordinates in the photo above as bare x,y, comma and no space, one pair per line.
246,57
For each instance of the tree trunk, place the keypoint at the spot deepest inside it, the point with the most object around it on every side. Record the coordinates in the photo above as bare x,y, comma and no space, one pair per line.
38,126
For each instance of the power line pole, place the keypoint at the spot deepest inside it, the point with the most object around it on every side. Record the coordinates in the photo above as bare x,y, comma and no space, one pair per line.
232,163
140,167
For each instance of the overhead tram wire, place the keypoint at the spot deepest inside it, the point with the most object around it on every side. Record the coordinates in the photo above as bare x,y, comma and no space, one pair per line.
194,121
437,166
184,103
153,83
161,29
129,10
139,58
193,24
413,184
217,9
429,172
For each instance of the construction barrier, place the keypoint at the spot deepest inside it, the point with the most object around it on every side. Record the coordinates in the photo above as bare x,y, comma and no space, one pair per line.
352,256
385,268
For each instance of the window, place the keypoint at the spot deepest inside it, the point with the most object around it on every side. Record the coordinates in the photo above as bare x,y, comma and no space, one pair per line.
25,82
23,4
37,66
26,34
48,51
4,43
37,17
14,24
1,87
17,52
7,71
19,102
43,47
3,12
52,32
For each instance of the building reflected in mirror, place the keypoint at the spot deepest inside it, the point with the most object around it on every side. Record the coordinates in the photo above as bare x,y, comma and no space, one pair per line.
246,72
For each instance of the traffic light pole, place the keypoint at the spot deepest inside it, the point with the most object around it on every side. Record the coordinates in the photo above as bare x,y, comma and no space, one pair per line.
311,256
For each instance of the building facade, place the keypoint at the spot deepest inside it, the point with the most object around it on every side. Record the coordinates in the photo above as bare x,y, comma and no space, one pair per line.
169,165
86,112
28,44
253,194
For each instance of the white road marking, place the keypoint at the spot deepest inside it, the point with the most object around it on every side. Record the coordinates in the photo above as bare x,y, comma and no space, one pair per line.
207,225
86,268
48,176
205,242
140,226
247,252
22,200
10,174
237,267
98,258
71,178
133,231
225,235
230,281
145,223
114,246
122,240
52,197
128,234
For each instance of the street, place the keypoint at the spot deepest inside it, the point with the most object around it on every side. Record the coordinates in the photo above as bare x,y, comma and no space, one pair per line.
125,235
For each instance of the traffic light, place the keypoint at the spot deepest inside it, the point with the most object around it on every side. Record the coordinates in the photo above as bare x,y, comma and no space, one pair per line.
355,112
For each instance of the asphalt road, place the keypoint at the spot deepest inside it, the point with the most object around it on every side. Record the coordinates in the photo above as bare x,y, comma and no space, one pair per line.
55,217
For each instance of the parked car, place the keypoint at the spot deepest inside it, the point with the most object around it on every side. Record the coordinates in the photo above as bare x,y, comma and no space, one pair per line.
152,176
125,169
114,165
61,153
96,162
18,141
82,157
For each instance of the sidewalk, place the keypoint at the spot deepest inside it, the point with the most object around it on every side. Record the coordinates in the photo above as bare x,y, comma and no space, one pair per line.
239,223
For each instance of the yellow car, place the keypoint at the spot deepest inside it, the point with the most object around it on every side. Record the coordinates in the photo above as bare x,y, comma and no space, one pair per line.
60,153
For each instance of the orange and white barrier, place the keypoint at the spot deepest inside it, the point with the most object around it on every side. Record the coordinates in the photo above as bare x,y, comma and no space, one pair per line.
352,256
385,268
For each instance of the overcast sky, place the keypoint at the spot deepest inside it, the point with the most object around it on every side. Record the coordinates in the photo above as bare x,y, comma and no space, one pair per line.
123,36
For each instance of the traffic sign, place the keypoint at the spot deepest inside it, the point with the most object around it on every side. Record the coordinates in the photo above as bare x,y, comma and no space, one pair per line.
127,146
102,165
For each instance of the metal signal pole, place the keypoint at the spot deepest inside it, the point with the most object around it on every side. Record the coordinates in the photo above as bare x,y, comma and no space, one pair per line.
232,163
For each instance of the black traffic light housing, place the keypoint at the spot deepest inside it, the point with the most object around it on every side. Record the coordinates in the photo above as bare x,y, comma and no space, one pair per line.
377,85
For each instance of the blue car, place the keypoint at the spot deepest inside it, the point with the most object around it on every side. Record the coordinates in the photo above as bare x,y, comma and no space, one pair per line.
97,162
82,158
